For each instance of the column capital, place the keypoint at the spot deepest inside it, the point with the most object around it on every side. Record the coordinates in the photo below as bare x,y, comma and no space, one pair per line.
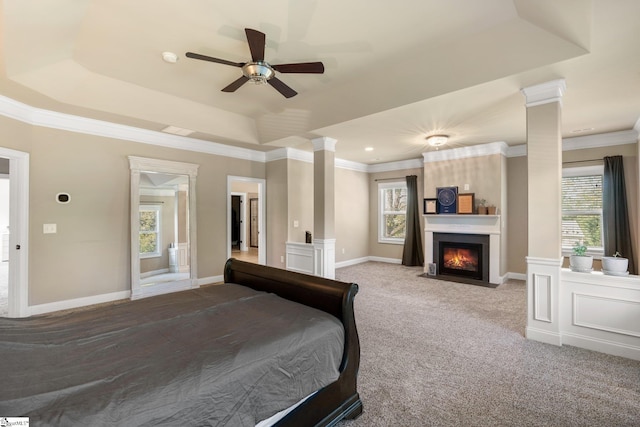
324,143
544,93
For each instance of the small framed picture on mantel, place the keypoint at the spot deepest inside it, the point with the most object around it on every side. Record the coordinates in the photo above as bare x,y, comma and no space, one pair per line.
430,206
466,203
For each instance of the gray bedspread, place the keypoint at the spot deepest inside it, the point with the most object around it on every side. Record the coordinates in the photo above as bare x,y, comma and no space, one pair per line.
219,355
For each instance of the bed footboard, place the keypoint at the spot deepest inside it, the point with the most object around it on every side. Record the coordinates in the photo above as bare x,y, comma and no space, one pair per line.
340,399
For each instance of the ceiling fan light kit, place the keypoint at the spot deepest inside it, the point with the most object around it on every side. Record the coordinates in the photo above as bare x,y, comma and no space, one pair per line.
258,70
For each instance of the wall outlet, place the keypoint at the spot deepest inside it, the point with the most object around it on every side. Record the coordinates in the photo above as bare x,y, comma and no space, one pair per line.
296,224
342,251
282,258
466,187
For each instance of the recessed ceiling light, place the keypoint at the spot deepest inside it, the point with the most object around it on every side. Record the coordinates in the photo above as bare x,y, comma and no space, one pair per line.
368,149
170,57
177,131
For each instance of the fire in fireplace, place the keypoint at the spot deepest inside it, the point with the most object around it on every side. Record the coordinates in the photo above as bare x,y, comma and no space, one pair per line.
460,259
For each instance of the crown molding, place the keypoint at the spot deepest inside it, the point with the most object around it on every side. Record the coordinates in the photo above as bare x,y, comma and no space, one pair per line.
289,154
467,152
395,166
67,122
324,143
600,140
544,93
354,166
585,142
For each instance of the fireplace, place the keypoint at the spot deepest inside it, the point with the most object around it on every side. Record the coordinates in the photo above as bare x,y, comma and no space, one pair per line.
462,257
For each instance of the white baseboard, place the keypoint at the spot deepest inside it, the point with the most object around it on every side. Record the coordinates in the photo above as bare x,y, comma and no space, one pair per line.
388,260
517,276
603,346
77,302
354,261
210,280
100,299
543,336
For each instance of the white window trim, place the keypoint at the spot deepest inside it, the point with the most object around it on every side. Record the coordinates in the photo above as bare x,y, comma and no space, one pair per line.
158,210
596,253
381,187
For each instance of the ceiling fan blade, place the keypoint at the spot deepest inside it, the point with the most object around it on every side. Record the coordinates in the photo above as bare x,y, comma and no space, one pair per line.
257,42
236,84
278,85
301,67
211,59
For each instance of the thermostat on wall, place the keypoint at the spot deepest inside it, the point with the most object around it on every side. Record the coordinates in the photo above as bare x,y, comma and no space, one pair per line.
63,198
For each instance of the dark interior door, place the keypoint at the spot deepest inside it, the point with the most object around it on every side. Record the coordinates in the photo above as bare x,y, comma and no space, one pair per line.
236,223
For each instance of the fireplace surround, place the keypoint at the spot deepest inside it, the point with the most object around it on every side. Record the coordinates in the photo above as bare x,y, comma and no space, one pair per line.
488,226
462,257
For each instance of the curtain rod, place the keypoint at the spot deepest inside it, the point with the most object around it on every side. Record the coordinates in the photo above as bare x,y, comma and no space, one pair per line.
150,203
584,161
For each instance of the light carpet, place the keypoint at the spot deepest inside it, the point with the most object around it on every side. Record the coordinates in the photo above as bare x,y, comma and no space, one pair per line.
437,353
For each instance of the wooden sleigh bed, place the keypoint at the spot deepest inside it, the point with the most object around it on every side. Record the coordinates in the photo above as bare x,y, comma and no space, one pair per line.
233,354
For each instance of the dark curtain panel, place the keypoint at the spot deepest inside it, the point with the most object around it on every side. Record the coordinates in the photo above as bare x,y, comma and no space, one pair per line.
615,216
412,254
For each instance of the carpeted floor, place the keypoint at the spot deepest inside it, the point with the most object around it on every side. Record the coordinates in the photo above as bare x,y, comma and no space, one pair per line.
437,353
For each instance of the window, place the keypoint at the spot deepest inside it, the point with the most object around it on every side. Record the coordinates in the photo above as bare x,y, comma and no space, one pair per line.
582,208
150,239
392,212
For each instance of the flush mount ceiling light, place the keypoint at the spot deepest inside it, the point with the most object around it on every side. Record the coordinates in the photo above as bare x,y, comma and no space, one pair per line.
437,140
170,57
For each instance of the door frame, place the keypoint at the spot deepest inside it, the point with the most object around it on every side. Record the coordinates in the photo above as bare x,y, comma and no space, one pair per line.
262,234
19,236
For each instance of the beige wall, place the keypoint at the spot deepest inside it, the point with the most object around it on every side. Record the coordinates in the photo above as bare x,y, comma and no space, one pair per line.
516,218
90,255
277,211
389,250
482,174
300,190
352,215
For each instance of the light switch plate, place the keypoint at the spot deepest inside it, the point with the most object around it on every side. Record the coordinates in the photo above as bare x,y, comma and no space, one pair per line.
49,228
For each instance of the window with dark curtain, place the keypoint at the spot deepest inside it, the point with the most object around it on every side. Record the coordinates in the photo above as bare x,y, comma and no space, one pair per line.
412,254
615,214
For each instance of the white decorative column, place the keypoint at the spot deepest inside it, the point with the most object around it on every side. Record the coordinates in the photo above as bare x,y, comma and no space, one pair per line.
544,163
324,242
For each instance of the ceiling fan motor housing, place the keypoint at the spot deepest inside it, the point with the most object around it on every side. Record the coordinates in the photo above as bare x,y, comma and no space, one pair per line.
258,72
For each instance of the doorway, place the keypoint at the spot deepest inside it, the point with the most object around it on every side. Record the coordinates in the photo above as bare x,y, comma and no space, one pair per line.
246,219
15,165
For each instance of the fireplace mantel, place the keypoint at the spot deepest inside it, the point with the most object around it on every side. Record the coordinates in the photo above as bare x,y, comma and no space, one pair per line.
466,224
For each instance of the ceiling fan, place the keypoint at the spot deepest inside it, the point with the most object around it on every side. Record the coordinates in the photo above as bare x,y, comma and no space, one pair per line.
260,71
